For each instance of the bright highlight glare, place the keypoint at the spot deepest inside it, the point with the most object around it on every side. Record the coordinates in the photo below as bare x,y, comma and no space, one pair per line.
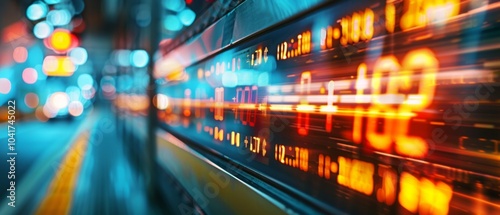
36,11
161,101
78,55
139,58
42,30
30,75
5,86
59,100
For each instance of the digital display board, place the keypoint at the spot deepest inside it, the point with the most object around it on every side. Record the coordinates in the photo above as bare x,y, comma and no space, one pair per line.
367,106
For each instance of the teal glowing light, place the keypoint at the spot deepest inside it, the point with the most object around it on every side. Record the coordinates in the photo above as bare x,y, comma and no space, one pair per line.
174,5
52,1
59,17
172,23
36,11
139,58
187,17
85,81
229,79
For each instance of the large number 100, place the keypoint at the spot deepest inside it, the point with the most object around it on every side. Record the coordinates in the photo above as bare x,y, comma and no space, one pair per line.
396,120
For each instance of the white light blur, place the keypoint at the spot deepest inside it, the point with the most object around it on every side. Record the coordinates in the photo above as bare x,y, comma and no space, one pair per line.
42,30
59,17
36,11
122,57
58,100
30,75
78,55
161,101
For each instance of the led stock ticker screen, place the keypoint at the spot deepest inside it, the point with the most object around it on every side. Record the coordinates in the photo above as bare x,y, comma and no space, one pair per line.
365,106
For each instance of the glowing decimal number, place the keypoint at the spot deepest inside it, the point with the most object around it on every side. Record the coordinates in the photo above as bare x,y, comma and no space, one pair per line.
423,195
303,118
279,153
282,51
219,104
382,141
286,50
425,61
356,174
255,145
301,157
397,121
357,27
256,57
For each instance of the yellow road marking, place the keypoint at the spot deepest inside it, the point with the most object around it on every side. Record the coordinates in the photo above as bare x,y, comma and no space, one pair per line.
60,192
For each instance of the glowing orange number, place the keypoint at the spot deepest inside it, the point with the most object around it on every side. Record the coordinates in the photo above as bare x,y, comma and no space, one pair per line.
387,192
420,12
423,195
396,121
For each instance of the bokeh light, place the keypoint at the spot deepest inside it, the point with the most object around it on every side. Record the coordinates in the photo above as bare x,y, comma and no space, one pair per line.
58,66
42,30
187,17
78,55
160,101
59,17
58,100
172,23
75,108
31,100
174,5
20,54
36,11
122,57
139,58
40,115
30,75
52,1
85,81
5,86
61,40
